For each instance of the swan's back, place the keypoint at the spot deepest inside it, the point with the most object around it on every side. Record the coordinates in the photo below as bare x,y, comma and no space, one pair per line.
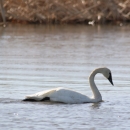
68,96
59,95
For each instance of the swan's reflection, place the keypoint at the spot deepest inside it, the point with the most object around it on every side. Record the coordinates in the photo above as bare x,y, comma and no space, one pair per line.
96,105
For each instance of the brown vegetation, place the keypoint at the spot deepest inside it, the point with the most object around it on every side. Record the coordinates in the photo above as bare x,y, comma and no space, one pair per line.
67,11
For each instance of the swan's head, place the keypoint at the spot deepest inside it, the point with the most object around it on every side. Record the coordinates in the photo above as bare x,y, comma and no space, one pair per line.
107,73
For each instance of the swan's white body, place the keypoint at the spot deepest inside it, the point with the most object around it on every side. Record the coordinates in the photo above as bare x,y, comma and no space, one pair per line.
69,96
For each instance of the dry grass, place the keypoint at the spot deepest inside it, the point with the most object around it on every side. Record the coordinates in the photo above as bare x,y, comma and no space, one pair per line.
67,11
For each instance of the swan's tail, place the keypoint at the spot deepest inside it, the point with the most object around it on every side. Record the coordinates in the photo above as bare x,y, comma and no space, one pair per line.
30,100
40,96
33,97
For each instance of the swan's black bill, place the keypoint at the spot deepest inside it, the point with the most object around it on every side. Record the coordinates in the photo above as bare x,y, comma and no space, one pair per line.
110,79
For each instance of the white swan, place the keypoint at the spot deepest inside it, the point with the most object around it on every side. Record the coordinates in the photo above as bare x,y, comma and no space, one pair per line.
69,96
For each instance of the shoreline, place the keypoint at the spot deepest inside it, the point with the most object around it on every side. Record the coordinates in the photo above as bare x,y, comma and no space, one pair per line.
67,12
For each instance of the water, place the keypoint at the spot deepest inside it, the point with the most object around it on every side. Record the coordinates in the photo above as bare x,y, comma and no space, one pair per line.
38,57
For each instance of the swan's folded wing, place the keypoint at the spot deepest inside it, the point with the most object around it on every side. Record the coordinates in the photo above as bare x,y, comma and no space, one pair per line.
68,96
59,95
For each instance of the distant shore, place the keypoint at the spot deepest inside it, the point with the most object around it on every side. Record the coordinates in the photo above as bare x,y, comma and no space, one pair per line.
67,11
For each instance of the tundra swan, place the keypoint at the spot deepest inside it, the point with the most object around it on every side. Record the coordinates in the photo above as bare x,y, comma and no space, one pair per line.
65,95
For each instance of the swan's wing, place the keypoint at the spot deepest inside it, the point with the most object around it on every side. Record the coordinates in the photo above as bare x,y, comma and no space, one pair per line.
59,95
68,96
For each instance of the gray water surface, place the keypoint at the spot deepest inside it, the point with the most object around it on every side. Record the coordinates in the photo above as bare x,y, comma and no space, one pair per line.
39,57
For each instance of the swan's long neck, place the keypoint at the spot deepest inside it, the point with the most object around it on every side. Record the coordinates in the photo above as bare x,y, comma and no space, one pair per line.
96,93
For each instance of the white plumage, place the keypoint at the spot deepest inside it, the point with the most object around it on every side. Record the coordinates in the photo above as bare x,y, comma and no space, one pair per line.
65,95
